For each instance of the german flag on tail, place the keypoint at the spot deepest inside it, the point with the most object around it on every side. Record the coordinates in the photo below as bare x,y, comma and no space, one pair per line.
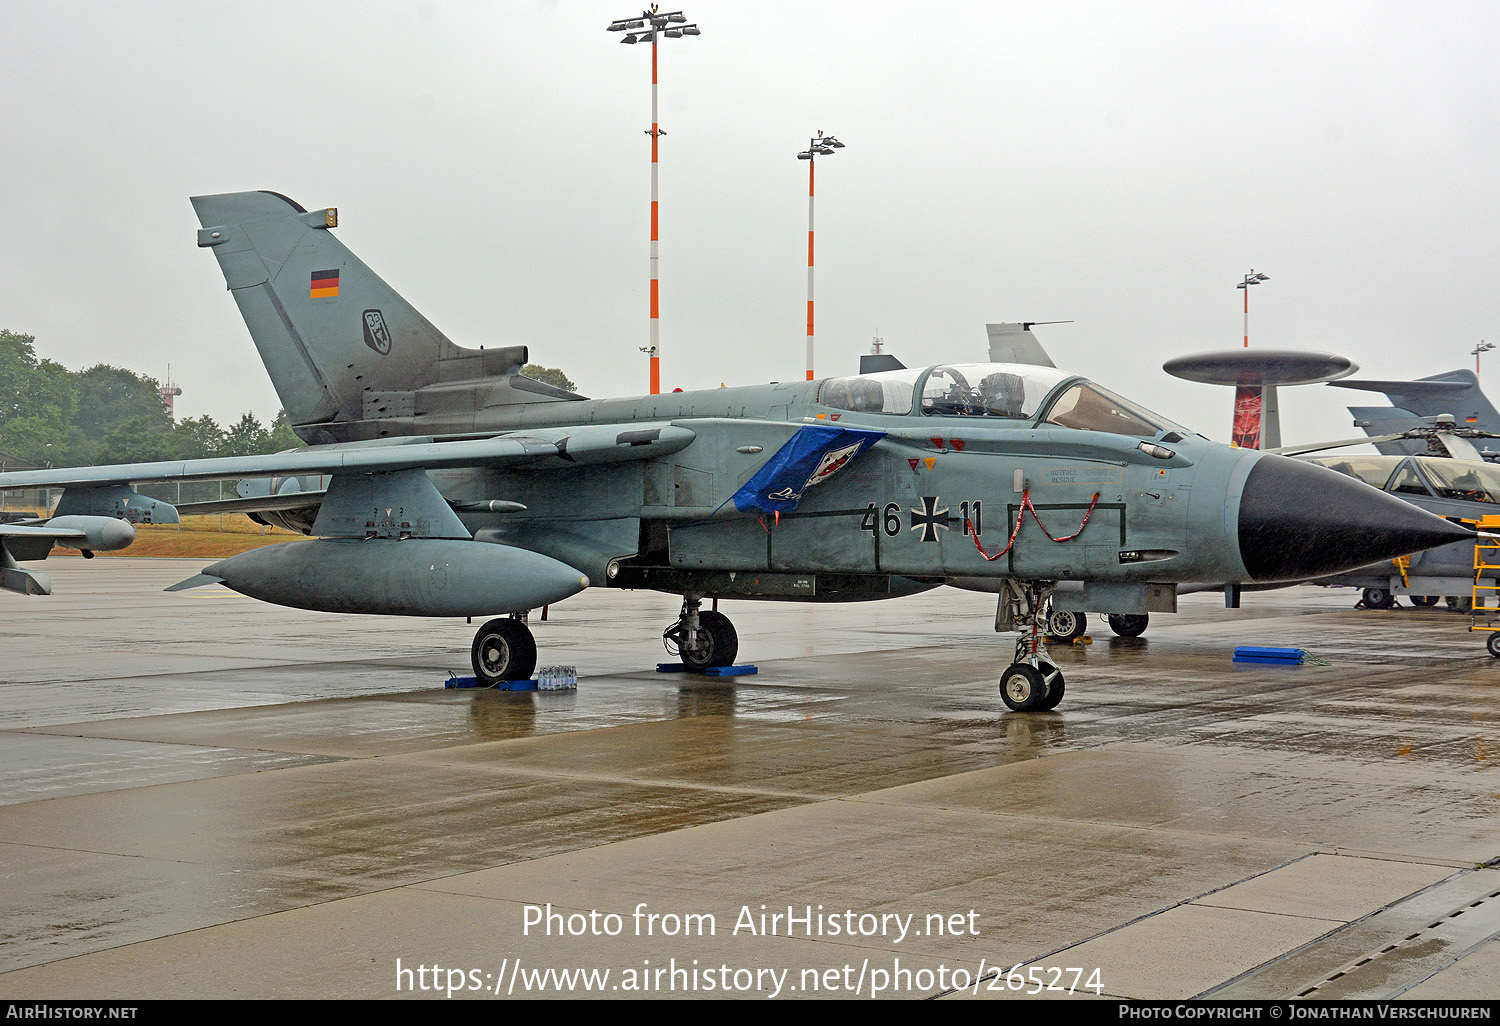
325,284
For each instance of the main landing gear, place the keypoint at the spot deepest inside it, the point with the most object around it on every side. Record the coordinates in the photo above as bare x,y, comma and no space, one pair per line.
1129,625
1032,682
1062,625
701,638
503,649
1065,625
1383,598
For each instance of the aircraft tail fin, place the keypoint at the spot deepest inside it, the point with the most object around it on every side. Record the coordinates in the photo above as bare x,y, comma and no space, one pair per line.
1014,343
348,355
1454,392
874,363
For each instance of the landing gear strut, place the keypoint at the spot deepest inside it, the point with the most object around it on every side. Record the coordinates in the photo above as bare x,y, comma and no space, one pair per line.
1032,683
701,638
503,649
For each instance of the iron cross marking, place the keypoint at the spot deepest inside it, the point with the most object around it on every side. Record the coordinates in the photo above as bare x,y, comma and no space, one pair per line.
930,519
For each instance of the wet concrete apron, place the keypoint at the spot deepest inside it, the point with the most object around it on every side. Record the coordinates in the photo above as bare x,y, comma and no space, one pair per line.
201,795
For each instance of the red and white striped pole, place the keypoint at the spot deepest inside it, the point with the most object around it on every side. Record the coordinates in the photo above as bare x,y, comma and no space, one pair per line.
824,145
655,350
1253,278
1249,399
810,165
1247,318
646,28
1483,347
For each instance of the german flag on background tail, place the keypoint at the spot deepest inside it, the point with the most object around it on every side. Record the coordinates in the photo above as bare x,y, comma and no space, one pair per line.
325,284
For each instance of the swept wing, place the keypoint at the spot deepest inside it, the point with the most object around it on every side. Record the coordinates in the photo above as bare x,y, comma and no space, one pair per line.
554,447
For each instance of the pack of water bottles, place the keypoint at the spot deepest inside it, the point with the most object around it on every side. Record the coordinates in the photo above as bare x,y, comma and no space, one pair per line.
557,678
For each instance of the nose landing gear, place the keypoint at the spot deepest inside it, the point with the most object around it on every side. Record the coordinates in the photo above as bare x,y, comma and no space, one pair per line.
1032,682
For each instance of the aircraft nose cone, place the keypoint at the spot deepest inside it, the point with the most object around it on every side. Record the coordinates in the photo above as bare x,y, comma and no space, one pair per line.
1299,521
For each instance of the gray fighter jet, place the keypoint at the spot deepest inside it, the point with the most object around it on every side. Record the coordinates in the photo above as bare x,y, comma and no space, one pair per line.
1416,404
458,487
1457,489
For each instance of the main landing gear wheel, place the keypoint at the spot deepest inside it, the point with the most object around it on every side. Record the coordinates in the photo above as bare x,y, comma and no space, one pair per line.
1493,644
1129,625
1378,598
1065,626
1027,688
716,645
503,649
1424,600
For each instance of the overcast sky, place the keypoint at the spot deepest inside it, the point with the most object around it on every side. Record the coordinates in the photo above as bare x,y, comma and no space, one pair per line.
1121,165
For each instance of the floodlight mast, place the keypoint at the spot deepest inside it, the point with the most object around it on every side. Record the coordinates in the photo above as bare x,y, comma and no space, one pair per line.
646,28
1483,347
824,145
1250,279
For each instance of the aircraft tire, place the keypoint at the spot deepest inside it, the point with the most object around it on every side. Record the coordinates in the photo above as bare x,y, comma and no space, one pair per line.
1022,688
503,649
1378,598
1423,601
1493,643
1056,686
1065,626
1129,625
718,643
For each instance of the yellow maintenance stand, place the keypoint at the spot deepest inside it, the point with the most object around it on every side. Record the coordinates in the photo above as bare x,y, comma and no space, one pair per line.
1487,567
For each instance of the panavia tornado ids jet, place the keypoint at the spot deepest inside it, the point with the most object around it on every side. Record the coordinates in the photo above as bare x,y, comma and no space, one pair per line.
455,486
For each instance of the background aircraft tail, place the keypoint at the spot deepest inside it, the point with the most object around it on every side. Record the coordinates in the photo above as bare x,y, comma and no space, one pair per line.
1014,343
1414,403
348,356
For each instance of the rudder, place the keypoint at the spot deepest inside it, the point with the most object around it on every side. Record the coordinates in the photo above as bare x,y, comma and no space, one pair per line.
330,331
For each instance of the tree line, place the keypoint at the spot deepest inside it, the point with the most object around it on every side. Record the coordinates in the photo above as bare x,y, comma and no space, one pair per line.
50,415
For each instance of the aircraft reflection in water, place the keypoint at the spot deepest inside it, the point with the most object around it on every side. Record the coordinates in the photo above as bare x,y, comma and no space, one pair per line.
459,487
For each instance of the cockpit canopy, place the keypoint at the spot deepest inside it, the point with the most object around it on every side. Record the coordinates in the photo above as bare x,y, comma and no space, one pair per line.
1008,391
1423,476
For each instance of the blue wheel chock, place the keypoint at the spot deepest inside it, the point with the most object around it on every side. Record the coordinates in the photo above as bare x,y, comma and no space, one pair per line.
743,670
504,685
1271,656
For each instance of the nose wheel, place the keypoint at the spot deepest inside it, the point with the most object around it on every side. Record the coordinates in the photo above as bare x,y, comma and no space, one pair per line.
1026,688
